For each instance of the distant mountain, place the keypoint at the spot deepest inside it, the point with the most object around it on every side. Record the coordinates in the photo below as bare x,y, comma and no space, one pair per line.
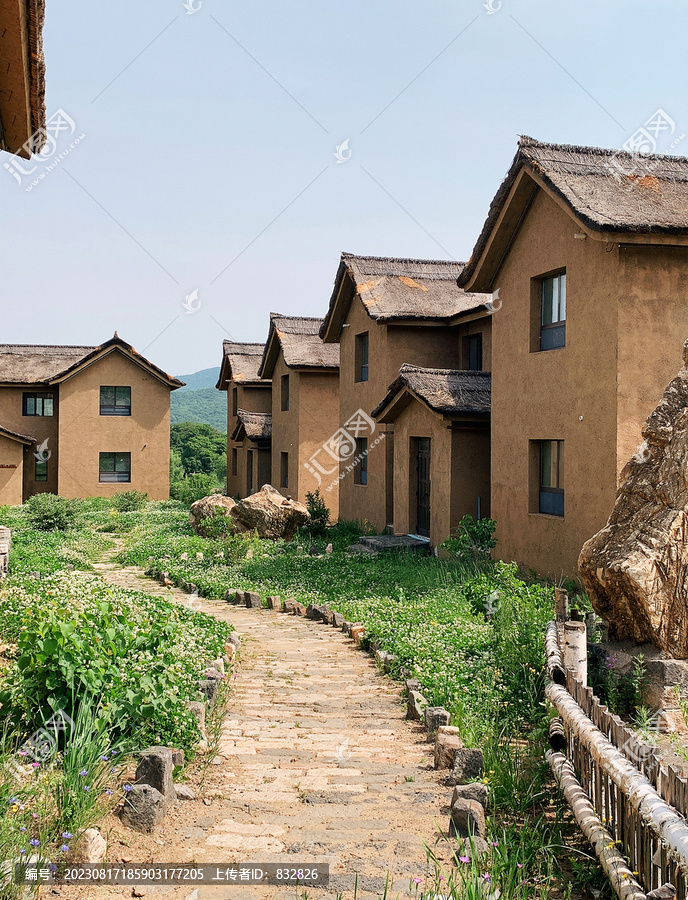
200,401
204,379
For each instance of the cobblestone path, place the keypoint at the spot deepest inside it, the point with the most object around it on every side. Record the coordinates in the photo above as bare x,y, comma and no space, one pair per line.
316,764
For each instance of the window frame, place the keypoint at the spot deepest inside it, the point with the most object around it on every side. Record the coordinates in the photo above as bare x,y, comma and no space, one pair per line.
551,500
284,393
42,476
362,357
36,396
553,333
470,341
114,472
361,467
114,410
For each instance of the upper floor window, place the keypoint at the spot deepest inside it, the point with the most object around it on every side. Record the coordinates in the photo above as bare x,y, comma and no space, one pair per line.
114,467
473,352
361,357
284,392
551,494
37,405
553,312
235,401
115,401
41,470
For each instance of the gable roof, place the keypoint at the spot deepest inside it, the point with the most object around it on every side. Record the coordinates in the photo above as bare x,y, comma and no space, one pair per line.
255,426
448,392
51,364
298,339
394,290
240,363
15,436
606,190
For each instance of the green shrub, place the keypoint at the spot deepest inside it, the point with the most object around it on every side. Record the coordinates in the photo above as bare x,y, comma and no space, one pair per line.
319,513
47,512
193,487
129,501
471,538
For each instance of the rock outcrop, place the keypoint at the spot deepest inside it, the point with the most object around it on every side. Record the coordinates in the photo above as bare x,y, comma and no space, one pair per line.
203,511
267,512
271,514
635,570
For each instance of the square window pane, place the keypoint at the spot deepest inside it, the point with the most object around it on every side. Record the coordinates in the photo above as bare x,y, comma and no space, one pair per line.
123,396
30,404
107,396
48,405
107,462
122,462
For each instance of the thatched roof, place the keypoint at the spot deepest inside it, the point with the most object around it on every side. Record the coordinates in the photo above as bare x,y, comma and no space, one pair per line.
15,436
51,364
298,339
22,80
254,426
36,18
397,290
606,190
448,392
240,363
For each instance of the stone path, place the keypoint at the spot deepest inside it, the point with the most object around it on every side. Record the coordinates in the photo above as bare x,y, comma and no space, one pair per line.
316,764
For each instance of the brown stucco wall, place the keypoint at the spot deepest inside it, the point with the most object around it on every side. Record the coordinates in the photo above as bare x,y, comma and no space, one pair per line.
38,427
11,465
285,428
470,468
84,433
389,347
318,421
652,326
254,398
566,394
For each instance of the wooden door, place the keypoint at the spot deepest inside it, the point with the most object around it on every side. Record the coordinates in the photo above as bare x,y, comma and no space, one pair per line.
423,489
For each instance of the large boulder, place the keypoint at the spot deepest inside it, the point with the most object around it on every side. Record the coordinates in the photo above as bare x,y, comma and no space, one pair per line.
271,514
634,570
203,511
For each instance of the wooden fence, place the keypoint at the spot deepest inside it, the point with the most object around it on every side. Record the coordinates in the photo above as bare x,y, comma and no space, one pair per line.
623,797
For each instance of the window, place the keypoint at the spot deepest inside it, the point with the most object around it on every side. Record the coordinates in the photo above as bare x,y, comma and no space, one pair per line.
37,405
553,312
235,461
361,357
41,473
284,470
115,401
551,499
235,401
361,470
284,392
473,352
114,467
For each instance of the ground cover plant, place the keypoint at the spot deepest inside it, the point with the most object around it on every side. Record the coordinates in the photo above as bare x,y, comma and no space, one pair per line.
118,665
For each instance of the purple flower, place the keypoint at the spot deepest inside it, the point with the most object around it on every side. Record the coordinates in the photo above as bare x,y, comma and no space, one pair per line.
21,753
35,842
66,835
127,788
22,851
36,765
464,859
23,828
114,752
486,876
108,793
83,773
64,848
86,787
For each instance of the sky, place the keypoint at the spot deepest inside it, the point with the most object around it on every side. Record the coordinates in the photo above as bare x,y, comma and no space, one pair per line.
211,159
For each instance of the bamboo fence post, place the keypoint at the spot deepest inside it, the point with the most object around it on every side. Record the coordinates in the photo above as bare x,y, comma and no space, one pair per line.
576,650
561,605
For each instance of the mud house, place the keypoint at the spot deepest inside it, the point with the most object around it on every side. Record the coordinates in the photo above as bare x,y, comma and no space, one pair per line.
248,435
82,421
587,248
441,421
22,76
386,313
305,408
